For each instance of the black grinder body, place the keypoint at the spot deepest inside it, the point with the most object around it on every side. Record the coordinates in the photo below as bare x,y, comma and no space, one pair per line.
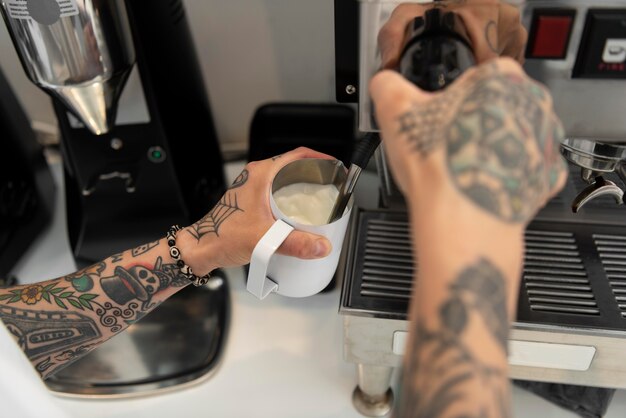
27,189
126,187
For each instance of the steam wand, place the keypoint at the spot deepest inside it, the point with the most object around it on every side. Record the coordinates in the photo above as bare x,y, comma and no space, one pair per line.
437,52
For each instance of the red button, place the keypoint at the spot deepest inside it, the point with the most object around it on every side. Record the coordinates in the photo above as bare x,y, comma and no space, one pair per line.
551,36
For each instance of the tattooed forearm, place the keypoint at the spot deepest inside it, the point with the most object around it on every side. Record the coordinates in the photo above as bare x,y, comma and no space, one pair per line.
443,372
142,249
117,257
40,333
59,321
481,289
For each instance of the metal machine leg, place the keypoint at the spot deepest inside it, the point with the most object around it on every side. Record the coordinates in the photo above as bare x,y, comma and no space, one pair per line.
373,396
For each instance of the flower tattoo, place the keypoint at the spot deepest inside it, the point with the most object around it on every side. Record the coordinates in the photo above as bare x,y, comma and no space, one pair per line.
32,294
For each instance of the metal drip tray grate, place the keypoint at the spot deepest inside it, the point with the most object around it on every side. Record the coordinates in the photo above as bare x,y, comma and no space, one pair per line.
554,276
387,269
574,274
612,249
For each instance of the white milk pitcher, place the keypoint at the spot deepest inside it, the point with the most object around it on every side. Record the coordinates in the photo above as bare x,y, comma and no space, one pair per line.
292,276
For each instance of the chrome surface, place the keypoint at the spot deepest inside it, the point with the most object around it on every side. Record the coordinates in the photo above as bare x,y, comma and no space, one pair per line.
574,281
345,193
390,194
176,345
311,170
384,173
593,155
612,250
595,127
554,277
373,15
589,108
369,340
117,144
372,407
595,158
567,266
388,263
570,275
600,187
373,397
79,51
129,181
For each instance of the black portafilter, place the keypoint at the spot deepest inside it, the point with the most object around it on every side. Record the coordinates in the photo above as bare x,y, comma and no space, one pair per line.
436,53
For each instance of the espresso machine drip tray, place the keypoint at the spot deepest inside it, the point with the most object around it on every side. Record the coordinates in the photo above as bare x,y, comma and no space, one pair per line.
571,318
573,277
178,344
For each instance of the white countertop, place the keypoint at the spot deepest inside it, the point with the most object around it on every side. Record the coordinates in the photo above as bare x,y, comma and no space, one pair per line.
283,356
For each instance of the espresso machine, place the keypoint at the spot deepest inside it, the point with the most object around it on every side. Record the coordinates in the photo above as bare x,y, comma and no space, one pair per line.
571,318
140,154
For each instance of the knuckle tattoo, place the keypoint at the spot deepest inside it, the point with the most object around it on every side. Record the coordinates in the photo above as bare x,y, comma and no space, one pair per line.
501,142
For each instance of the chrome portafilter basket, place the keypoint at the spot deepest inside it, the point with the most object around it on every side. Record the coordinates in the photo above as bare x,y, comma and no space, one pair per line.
596,159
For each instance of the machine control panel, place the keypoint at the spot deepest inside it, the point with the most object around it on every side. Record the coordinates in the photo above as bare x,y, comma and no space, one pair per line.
550,33
577,48
602,51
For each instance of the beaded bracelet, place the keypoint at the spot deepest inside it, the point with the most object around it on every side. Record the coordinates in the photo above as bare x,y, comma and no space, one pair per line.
185,270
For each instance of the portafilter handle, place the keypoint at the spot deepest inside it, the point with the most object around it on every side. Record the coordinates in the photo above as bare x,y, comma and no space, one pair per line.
599,187
595,159
437,53
438,50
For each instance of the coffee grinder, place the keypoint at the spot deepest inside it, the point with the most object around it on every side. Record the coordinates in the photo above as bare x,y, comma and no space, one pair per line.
140,153
571,317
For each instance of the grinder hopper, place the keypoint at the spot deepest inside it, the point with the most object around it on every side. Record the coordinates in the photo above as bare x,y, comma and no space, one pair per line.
78,51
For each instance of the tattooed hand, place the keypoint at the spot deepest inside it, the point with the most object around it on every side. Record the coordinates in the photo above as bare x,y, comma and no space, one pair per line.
227,235
494,29
492,137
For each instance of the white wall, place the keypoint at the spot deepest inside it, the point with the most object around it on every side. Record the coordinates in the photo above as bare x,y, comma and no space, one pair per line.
251,51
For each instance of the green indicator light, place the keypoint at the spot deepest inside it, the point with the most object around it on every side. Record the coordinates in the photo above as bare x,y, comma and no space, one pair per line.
156,154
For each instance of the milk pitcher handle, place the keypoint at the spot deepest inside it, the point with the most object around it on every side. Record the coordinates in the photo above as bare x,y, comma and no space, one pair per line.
258,283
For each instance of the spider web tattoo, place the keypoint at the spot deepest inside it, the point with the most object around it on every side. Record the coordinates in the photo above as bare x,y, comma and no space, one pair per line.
211,222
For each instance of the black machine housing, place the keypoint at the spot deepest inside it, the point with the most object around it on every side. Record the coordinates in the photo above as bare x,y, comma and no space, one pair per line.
27,190
167,171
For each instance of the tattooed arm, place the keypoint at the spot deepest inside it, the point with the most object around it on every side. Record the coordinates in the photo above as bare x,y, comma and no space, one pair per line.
58,321
475,162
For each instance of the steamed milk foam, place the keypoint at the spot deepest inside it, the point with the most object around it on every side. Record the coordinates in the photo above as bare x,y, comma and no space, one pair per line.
307,203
